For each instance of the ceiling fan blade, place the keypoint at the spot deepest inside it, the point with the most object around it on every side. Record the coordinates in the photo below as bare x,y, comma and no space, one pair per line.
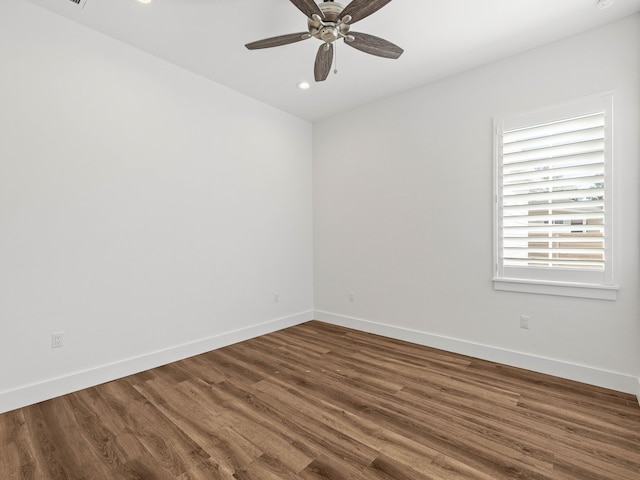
278,41
359,9
373,45
308,7
324,59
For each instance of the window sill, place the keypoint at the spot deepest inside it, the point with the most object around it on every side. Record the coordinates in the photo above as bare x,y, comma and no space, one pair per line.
564,289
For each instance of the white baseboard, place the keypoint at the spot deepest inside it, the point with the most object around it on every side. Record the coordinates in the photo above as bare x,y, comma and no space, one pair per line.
592,376
54,387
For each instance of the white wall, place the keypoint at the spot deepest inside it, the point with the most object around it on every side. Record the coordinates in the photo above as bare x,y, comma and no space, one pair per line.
403,215
146,212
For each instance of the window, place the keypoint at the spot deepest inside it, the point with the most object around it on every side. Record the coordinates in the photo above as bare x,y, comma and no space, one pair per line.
554,222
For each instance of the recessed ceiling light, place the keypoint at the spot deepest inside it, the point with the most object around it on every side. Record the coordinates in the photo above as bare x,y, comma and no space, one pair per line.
304,85
602,4
144,1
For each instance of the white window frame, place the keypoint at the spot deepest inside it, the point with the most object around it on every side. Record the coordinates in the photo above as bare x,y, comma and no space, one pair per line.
596,284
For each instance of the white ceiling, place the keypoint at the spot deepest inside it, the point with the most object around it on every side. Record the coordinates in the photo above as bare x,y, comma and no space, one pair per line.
440,38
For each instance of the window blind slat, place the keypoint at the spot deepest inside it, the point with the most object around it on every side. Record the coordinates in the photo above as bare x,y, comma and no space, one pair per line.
537,175
555,162
564,184
567,138
522,220
554,128
553,262
533,230
554,151
580,242
569,207
593,255
524,198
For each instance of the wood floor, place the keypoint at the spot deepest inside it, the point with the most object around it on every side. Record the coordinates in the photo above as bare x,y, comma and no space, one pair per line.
323,402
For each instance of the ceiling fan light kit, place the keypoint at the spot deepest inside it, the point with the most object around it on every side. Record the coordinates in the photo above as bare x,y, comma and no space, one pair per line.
329,22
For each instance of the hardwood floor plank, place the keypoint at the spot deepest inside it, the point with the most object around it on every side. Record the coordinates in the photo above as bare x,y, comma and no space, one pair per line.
458,384
308,430
142,468
97,434
206,473
161,438
13,463
209,425
266,468
44,435
447,468
16,455
12,426
234,412
203,369
333,390
324,468
319,401
513,439
387,468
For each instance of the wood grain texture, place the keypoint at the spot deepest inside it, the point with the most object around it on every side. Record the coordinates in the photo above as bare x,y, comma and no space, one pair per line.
374,45
324,59
318,401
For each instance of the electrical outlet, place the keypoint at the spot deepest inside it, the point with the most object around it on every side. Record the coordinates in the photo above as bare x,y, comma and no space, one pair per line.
276,298
57,340
352,296
524,322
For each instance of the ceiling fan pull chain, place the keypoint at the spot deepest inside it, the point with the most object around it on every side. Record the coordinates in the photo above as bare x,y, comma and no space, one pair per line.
335,58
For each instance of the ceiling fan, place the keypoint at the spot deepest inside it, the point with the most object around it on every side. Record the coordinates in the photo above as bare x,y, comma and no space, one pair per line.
328,22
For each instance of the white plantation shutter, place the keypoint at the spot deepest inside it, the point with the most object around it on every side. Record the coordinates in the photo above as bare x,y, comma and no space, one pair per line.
553,194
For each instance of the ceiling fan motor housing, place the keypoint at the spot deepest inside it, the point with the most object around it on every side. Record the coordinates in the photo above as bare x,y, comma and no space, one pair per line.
329,29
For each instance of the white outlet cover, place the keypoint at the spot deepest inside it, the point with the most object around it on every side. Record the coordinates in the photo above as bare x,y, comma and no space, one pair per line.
57,340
